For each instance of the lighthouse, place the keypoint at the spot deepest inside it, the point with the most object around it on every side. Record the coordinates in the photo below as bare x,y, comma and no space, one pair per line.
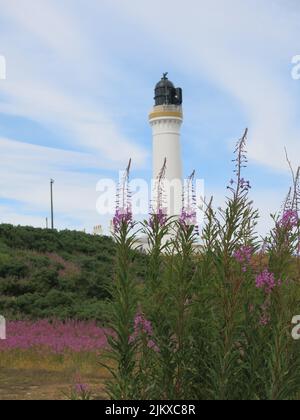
166,119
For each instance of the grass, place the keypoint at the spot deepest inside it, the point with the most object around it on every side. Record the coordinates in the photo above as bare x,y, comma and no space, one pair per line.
29,375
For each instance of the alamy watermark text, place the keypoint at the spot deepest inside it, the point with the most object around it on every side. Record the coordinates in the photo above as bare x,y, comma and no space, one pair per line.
2,328
2,67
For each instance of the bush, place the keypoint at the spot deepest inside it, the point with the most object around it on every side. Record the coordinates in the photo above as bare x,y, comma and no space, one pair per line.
45,273
213,319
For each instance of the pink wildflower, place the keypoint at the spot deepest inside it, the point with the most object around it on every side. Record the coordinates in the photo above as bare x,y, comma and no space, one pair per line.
143,327
122,216
188,215
81,388
160,216
124,207
152,345
243,256
266,281
265,317
289,220
55,337
245,185
159,210
264,320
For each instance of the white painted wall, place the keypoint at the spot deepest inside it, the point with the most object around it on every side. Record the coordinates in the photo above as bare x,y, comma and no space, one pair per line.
166,144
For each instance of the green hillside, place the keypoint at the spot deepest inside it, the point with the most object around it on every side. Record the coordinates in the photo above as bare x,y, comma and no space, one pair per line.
45,273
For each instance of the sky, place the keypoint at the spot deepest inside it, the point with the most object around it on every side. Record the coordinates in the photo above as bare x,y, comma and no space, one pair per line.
79,86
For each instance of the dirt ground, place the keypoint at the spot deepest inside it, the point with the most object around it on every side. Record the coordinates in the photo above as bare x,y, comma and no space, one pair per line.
18,384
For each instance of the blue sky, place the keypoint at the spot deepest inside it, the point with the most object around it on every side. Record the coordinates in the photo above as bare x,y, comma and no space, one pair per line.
79,87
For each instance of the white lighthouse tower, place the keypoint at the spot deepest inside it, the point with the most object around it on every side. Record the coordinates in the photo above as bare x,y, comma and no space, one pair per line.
166,119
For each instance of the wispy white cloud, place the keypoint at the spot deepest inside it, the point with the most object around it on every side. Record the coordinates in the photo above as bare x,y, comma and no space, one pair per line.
54,73
82,124
59,100
69,69
25,171
244,48
50,25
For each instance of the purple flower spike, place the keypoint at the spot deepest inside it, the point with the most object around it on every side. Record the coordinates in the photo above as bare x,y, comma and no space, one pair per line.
55,337
289,220
243,256
124,207
161,217
122,216
188,215
267,282
159,211
153,346
143,327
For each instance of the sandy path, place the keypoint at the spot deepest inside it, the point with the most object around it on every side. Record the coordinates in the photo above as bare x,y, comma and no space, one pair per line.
41,385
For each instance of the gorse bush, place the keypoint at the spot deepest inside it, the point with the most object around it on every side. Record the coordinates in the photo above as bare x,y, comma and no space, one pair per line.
213,317
51,274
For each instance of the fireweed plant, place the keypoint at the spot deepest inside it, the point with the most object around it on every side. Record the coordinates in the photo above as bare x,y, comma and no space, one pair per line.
124,300
212,318
79,390
153,375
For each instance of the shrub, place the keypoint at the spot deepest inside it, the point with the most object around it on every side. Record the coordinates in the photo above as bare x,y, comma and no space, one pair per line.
212,321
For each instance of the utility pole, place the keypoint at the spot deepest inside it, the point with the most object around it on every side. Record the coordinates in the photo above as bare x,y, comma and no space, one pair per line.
47,226
51,194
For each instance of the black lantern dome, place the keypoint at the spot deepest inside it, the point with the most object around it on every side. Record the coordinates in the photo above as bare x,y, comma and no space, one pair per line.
166,93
